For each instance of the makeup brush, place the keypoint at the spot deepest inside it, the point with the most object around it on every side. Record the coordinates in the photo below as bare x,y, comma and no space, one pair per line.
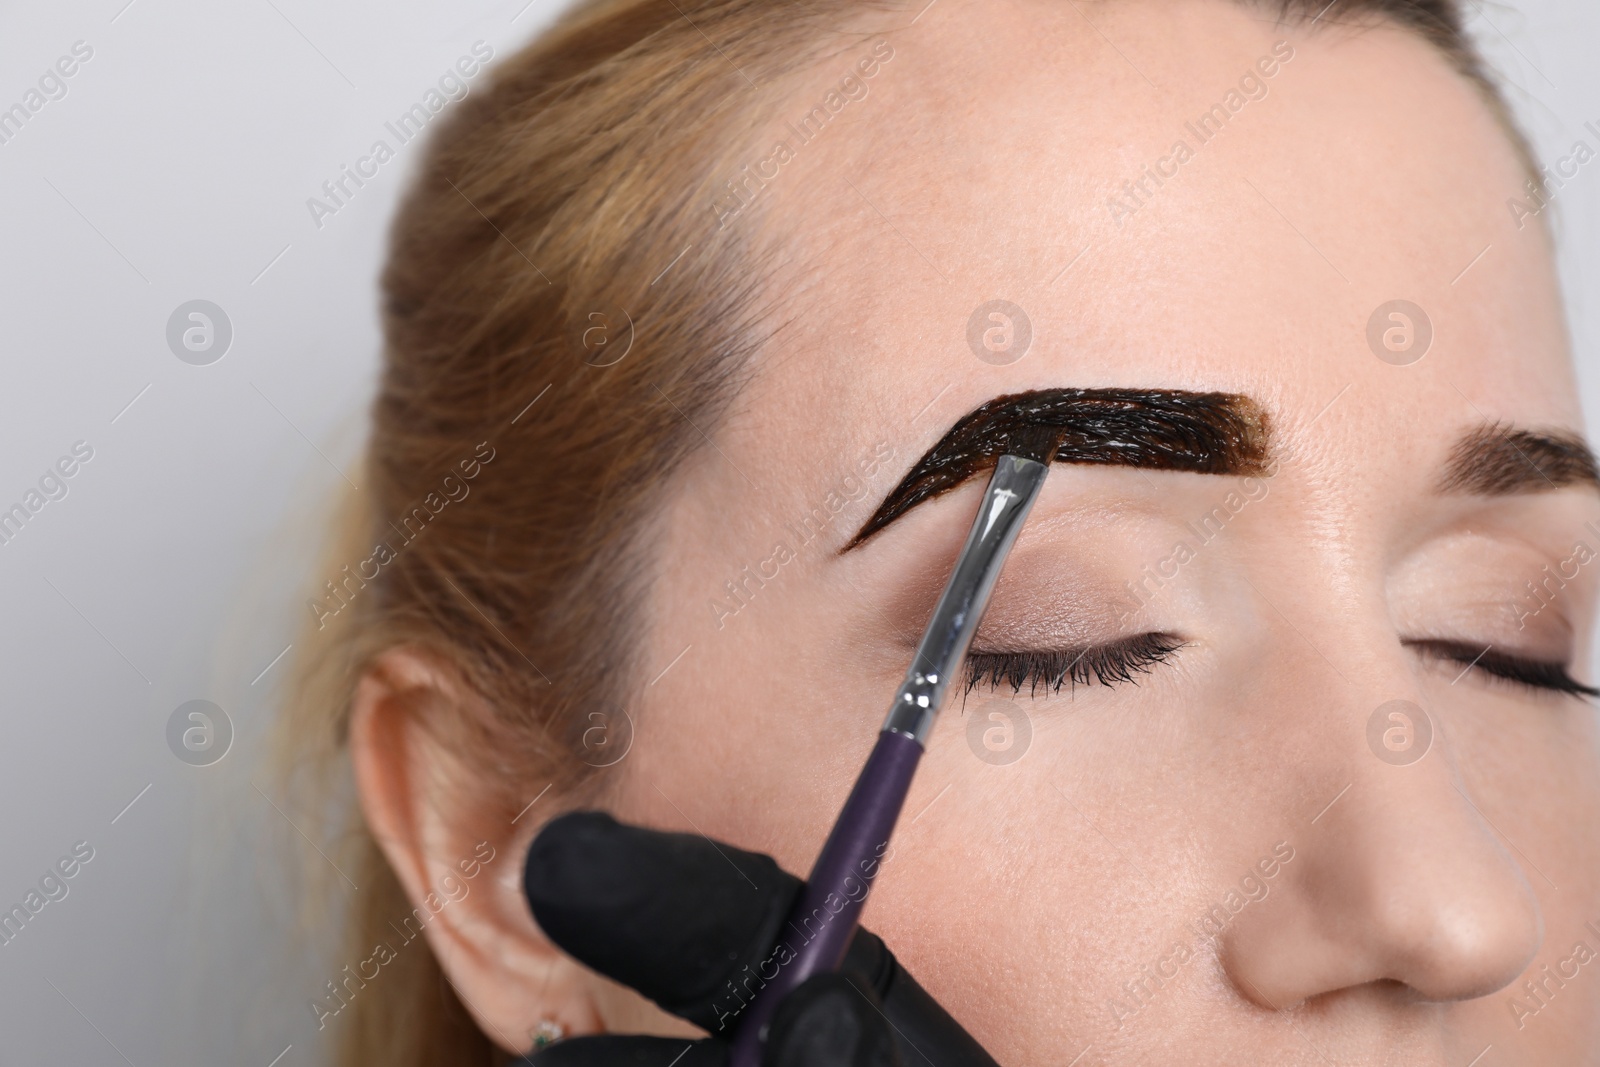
824,918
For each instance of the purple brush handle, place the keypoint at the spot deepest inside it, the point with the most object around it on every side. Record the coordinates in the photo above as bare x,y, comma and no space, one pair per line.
844,870
816,936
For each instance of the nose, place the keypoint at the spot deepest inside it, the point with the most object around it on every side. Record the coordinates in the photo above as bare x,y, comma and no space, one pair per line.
1404,880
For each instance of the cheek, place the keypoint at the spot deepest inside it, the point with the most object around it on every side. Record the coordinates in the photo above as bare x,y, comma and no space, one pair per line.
1023,880
1539,770
1537,783
752,734
977,934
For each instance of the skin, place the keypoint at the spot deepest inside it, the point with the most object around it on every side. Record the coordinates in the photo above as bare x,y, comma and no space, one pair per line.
1023,895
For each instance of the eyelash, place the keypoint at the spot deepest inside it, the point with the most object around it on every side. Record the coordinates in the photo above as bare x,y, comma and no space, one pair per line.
1534,674
1112,664
1122,661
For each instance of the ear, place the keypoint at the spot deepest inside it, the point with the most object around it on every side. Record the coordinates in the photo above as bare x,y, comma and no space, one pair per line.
461,867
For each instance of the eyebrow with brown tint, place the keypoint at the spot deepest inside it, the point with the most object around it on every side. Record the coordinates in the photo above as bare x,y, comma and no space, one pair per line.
1151,429
1501,460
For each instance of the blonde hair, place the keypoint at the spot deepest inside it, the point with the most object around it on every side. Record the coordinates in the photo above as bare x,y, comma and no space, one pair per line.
511,475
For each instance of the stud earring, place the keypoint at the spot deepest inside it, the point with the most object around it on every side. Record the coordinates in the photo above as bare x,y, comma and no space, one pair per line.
547,1033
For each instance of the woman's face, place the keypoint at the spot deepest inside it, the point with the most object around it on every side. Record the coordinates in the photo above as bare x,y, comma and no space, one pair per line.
1247,850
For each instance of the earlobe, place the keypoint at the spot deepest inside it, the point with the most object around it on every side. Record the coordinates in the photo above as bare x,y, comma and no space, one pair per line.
460,871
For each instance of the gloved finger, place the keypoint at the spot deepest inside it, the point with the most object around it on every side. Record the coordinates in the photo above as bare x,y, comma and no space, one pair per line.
828,1021
612,1050
924,1033
674,916
692,923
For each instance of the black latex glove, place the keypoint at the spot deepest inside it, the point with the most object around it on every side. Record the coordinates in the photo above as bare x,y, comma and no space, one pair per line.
689,923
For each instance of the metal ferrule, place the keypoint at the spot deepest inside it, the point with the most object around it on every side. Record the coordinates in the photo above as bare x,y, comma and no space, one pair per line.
1011,493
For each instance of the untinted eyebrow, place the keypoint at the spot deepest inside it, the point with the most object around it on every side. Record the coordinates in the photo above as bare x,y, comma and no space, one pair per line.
1501,460
1152,429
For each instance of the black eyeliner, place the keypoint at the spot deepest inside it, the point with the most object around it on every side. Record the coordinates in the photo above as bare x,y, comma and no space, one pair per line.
1537,674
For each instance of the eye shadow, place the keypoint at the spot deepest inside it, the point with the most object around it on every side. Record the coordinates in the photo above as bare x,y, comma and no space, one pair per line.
1150,429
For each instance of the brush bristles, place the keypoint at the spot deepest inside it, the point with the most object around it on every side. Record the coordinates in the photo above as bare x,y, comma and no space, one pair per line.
1038,443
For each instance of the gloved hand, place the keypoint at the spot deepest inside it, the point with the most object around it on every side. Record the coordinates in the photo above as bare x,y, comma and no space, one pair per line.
691,923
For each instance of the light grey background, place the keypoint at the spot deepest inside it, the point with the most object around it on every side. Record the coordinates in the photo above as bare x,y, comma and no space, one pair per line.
177,167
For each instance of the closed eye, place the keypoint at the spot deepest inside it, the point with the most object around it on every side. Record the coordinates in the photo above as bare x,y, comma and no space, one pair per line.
1109,664
1503,666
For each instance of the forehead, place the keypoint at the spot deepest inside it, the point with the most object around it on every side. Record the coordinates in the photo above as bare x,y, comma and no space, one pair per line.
1030,153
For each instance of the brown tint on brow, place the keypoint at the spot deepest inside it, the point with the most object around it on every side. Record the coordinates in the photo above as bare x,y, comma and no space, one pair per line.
1498,460
1153,429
